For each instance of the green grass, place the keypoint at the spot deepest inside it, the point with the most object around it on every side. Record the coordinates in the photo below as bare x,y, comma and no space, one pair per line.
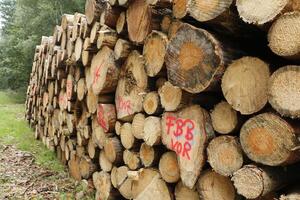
14,130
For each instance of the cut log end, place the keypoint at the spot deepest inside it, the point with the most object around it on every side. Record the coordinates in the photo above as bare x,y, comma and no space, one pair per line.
168,167
283,92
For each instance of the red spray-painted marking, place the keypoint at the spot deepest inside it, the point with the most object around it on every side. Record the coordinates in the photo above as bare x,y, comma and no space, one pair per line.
100,118
97,73
123,105
69,89
181,136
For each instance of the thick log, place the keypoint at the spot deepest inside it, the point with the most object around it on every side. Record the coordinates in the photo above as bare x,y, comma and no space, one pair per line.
154,51
102,183
140,21
270,140
86,167
282,91
225,155
212,185
93,10
283,38
110,15
122,49
198,65
257,12
182,192
253,182
193,126
224,118
170,96
131,87
107,37
150,186
245,84
66,20
106,116
168,167
105,71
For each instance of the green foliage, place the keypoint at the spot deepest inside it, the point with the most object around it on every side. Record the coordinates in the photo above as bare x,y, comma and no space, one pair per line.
24,23
14,130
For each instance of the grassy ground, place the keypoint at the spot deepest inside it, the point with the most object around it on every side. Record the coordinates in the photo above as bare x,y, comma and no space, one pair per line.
14,130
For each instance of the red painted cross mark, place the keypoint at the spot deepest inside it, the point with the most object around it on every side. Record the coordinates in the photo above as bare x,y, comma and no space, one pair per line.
123,105
181,127
100,118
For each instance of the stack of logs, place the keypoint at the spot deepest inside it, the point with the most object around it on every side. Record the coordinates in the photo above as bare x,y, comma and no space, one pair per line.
154,99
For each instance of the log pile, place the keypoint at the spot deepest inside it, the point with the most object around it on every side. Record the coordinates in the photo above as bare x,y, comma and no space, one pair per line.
156,99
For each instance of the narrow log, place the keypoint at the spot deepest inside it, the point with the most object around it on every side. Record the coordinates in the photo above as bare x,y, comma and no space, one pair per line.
102,183
224,118
86,167
122,49
110,15
107,37
121,25
168,167
151,103
131,87
104,163
246,98
180,8
106,116
270,140
282,92
81,89
253,182
256,12
131,159
152,130
127,138
170,96
291,194
182,129
154,51
225,155
93,10
198,65
283,38
66,20
105,71
74,167
113,150
149,155
212,185
182,192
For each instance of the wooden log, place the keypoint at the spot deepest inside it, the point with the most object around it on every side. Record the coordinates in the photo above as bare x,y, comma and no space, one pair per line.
253,182
154,52
127,138
181,129
118,175
93,10
126,188
291,194
256,12
104,163
110,15
168,167
121,25
151,103
105,71
107,37
131,159
98,134
81,89
74,167
179,8
283,38
152,130
106,116
131,87
224,118
118,126
86,167
122,49
113,150
182,192
91,101
102,183
270,140
149,155
170,96
66,20
95,32
212,185
246,98
138,30
225,155
150,186
198,65
282,92
207,10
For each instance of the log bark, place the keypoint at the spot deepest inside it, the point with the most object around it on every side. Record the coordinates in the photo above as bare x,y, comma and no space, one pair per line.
270,140
283,38
212,185
168,167
154,51
198,65
179,130
225,155
246,98
105,72
224,118
282,92
252,181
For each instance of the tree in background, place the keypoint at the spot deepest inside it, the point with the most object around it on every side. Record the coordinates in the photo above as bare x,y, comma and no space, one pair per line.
24,22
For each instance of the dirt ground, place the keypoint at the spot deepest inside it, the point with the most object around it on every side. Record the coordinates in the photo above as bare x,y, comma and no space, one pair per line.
21,178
